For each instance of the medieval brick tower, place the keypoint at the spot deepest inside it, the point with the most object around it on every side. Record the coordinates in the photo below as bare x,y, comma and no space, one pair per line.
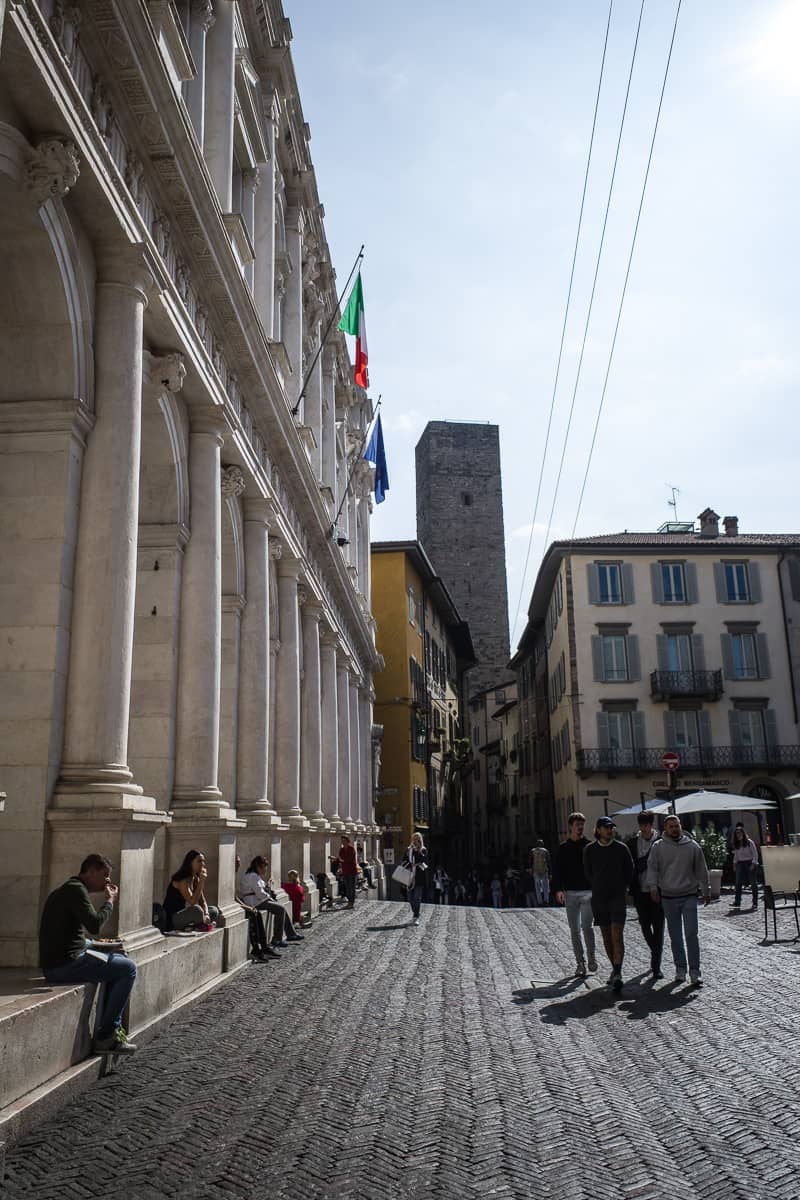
460,524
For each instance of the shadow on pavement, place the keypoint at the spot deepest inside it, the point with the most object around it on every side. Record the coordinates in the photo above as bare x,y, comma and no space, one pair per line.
386,928
548,991
645,1002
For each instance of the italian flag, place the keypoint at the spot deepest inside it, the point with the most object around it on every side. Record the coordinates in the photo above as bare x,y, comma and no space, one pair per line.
352,322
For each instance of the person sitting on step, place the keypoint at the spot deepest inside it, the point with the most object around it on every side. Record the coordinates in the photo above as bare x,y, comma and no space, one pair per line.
185,903
260,949
255,891
296,893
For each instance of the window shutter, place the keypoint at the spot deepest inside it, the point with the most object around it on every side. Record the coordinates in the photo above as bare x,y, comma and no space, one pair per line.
704,728
637,724
669,730
794,577
727,656
632,646
690,575
657,583
628,596
771,726
754,574
698,653
733,722
719,583
602,731
593,582
661,652
763,656
597,659
562,674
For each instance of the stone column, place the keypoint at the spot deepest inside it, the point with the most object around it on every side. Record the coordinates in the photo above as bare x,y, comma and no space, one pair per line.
253,801
311,720
292,333
219,96
330,734
96,800
200,21
287,711
365,753
274,650
343,706
355,757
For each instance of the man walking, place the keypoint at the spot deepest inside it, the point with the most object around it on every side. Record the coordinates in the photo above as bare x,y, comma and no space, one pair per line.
608,866
572,888
676,872
649,912
348,865
67,956
540,861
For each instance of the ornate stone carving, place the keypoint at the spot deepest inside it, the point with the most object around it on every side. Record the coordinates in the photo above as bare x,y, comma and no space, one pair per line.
203,11
161,234
53,169
168,370
101,108
201,321
275,550
133,176
302,596
182,280
252,179
232,481
274,646
64,24
280,286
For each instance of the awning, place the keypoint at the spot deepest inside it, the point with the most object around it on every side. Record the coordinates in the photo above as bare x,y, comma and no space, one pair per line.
702,801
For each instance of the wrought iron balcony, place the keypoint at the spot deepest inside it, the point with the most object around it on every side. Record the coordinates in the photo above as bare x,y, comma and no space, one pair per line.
706,685
694,758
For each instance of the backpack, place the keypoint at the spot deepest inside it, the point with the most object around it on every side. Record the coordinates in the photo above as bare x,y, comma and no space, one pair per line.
541,861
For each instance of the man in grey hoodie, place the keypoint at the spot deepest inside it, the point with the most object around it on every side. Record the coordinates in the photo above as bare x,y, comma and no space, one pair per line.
676,873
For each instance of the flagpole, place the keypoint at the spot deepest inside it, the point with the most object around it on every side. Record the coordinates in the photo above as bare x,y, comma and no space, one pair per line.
359,257
356,461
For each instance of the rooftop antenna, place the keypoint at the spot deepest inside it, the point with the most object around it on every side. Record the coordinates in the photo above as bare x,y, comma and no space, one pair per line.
673,503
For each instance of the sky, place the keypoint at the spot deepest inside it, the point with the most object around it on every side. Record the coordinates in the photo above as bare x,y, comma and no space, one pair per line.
451,138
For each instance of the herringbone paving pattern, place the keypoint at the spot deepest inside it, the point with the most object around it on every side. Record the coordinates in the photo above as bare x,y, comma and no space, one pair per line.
378,1061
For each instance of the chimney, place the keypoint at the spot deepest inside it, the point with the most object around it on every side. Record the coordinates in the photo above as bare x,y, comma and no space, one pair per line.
709,523
731,526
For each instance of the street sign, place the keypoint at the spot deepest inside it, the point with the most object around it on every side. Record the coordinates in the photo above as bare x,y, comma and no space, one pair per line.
388,857
670,761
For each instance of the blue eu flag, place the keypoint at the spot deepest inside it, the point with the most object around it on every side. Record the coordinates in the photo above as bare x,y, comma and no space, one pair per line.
376,455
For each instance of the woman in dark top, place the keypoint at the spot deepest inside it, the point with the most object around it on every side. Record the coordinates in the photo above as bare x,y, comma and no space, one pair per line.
185,902
416,859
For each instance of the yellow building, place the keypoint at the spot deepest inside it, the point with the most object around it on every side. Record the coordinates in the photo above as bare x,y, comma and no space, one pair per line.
419,702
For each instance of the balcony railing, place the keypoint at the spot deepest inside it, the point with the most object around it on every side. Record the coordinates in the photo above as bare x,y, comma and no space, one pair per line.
664,685
695,758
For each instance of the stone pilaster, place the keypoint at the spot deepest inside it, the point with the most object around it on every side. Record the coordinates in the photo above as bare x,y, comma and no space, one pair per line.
264,231
251,185
330,731
218,101
343,708
292,332
201,18
329,426
311,720
365,698
287,712
355,757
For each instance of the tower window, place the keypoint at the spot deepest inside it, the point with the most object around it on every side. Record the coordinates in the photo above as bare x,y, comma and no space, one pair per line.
466,499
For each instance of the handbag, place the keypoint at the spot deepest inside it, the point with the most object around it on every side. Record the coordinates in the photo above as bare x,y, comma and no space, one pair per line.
402,875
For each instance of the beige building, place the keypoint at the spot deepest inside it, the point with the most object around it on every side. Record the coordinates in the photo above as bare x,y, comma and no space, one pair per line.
187,644
681,640
499,823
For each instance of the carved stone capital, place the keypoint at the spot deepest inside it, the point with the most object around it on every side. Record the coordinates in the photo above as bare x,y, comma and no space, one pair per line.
133,176
53,169
161,234
201,321
164,370
252,179
232,481
302,596
274,645
203,11
275,550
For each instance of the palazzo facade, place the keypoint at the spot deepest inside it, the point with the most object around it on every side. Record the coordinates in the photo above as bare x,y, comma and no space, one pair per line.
186,642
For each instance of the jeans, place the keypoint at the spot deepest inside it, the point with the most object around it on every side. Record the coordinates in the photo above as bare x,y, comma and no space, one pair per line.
746,876
579,918
651,923
415,898
542,885
193,915
681,915
118,975
349,888
282,925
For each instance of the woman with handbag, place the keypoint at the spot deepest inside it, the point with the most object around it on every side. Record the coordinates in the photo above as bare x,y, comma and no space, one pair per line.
416,860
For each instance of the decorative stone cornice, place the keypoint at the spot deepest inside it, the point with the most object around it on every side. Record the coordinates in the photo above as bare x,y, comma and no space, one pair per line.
53,169
64,25
164,370
232,481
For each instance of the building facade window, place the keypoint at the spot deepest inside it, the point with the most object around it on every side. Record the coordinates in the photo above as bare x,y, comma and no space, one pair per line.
615,656
412,607
737,582
609,583
673,583
745,654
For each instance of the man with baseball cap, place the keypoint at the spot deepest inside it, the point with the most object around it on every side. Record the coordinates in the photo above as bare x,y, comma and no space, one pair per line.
609,869
650,914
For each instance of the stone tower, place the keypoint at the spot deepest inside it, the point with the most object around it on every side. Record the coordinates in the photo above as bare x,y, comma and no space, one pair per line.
460,524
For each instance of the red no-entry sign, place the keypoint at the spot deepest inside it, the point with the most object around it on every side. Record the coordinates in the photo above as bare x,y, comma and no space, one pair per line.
670,761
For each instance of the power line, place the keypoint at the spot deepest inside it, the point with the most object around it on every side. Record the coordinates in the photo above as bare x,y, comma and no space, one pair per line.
566,315
628,271
596,273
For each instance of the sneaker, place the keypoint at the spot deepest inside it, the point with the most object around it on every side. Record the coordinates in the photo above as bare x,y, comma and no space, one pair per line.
680,977
616,981
696,979
735,904
580,969
268,952
416,921
592,964
115,1044
280,944
296,937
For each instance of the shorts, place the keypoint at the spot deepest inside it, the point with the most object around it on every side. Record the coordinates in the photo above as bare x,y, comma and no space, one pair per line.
609,910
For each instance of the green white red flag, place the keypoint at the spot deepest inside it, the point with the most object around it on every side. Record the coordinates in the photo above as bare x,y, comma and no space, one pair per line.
352,322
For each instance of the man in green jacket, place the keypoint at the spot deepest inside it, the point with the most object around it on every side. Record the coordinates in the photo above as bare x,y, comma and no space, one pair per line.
66,956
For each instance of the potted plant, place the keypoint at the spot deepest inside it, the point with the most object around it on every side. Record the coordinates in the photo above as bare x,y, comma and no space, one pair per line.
715,852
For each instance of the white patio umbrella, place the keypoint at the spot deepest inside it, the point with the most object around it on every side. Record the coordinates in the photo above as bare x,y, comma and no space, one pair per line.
703,801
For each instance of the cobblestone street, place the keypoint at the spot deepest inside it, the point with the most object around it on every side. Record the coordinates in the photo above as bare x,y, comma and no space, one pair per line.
378,1061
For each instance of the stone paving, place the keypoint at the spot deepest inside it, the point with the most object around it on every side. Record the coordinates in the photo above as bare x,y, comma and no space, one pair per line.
377,1061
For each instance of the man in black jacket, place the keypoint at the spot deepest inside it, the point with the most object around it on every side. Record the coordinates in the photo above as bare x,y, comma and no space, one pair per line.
609,869
571,887
649,911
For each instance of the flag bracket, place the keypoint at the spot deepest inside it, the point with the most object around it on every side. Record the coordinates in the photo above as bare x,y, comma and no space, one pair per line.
340,540
324,337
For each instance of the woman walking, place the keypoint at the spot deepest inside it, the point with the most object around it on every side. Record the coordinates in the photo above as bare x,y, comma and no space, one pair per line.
745,864
416,859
